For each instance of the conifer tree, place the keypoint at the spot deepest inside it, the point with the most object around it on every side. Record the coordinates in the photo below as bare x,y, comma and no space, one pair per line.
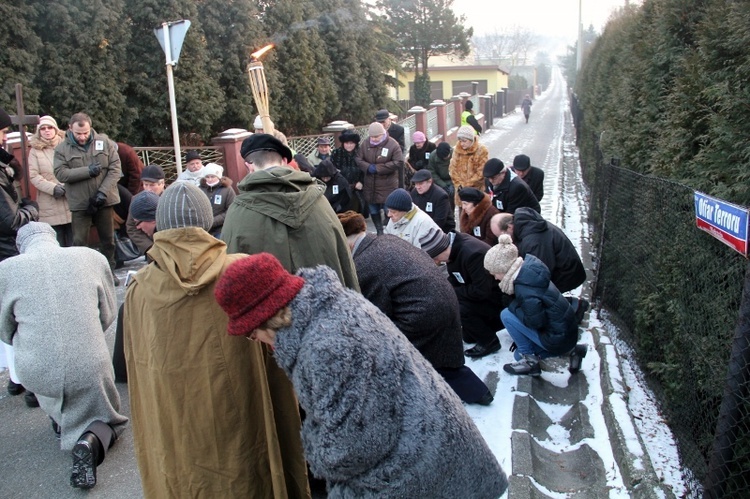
303,92
19,57
81,61
200,100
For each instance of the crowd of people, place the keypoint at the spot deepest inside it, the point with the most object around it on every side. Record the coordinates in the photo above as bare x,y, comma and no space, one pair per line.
340,323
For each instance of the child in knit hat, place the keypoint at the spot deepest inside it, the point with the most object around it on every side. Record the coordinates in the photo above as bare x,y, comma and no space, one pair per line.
540,320
348,361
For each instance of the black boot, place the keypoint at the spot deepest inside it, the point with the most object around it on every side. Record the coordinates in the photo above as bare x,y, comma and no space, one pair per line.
378,222
85,459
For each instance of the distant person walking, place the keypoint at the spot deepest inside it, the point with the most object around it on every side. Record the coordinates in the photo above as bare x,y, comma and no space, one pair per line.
526,107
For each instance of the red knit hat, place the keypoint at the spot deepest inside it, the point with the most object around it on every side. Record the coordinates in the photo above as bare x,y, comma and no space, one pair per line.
253,289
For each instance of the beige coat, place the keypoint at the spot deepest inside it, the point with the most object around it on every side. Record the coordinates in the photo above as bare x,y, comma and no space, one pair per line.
212,414
42,176
466,167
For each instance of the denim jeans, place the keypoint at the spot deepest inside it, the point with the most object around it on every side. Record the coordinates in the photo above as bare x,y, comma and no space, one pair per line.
527,339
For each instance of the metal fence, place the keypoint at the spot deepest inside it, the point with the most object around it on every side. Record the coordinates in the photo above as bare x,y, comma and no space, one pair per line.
307,144
677,293
410,126
164,157
450,116
432,123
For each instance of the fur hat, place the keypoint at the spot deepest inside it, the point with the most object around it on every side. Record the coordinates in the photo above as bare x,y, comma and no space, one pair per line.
143,206
471,195
375,129
4,119
437,245
183,204
349,136
191,155
382,115
418,137
500,257
399,200
213,169
352,222
466,132
443,150
325,168
32,230
264,142
421,175
152,173
49,121
492,167
253,289
521,163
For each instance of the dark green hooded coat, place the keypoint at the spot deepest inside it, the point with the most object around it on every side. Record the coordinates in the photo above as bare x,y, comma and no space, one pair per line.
284,212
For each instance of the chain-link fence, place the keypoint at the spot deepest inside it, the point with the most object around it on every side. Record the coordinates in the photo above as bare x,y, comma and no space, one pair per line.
677,291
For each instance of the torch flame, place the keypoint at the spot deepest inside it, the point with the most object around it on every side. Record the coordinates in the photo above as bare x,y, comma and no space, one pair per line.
257,54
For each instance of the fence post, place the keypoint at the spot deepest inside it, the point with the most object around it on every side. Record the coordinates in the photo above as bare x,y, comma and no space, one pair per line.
735,393
230,142
486,110
500,103
440,108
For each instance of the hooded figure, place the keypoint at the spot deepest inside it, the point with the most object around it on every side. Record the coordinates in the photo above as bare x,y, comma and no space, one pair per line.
380,421
338,192
243,438
58,339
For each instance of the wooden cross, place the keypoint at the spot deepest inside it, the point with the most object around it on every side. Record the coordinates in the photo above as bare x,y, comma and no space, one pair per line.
21,119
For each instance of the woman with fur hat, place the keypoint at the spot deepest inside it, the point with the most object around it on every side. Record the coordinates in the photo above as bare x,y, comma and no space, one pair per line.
469,157
540,320
219,190
53,205
476,213
344,158
381,422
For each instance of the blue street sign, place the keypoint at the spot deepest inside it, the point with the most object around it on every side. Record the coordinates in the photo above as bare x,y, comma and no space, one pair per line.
177,31
725,221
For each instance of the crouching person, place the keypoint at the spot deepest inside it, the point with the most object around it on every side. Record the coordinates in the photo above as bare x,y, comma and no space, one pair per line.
380,421
540,320
58,337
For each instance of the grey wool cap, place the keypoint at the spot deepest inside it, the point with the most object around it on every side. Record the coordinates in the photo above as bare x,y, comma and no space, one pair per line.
181,205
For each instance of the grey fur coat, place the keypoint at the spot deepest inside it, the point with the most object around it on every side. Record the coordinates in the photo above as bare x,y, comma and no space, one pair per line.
55,304
380,421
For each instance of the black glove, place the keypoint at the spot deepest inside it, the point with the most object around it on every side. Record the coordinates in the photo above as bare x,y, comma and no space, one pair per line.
100,199
91,209
419,164
94,169
59,191
451,190
28,202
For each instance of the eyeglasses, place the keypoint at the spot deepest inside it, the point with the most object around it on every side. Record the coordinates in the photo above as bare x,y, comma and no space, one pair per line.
46,127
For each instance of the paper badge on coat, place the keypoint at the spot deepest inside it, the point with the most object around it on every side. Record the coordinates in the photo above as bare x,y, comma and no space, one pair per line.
384,152
428,207
99,145
335,189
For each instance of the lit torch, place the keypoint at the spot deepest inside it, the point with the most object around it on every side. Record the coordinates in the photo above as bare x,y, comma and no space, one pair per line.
258,85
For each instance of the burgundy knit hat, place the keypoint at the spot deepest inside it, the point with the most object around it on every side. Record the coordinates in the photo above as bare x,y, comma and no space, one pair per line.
253,289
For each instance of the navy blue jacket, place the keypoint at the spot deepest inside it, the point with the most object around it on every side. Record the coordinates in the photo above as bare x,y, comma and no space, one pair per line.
540,306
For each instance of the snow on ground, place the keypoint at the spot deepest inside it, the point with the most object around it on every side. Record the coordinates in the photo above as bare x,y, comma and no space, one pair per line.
569,211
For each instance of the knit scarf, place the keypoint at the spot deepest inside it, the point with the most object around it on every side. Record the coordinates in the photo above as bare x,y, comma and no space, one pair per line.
506,285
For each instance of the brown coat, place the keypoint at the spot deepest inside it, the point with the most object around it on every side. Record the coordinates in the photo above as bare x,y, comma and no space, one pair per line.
466,166
378,186
41,173
212,414
478,223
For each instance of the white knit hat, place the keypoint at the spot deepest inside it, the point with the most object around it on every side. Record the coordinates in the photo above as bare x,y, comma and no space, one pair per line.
183,204
49,121
213,169
501,256
466,132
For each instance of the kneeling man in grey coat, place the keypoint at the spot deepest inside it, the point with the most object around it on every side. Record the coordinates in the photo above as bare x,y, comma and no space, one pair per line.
55,304
381,422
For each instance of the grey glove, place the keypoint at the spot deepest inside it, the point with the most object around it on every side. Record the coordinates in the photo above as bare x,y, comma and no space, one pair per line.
95,169
100,199
59,191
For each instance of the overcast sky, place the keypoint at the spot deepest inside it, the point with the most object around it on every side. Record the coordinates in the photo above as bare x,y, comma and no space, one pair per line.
551,17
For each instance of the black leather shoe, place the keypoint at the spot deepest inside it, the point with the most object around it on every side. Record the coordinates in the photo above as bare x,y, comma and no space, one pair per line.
480,350
486,399
56,428
30,399
576,356
583,306
15,388
85,458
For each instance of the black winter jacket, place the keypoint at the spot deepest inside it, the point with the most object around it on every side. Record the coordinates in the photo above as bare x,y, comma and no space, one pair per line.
513,193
